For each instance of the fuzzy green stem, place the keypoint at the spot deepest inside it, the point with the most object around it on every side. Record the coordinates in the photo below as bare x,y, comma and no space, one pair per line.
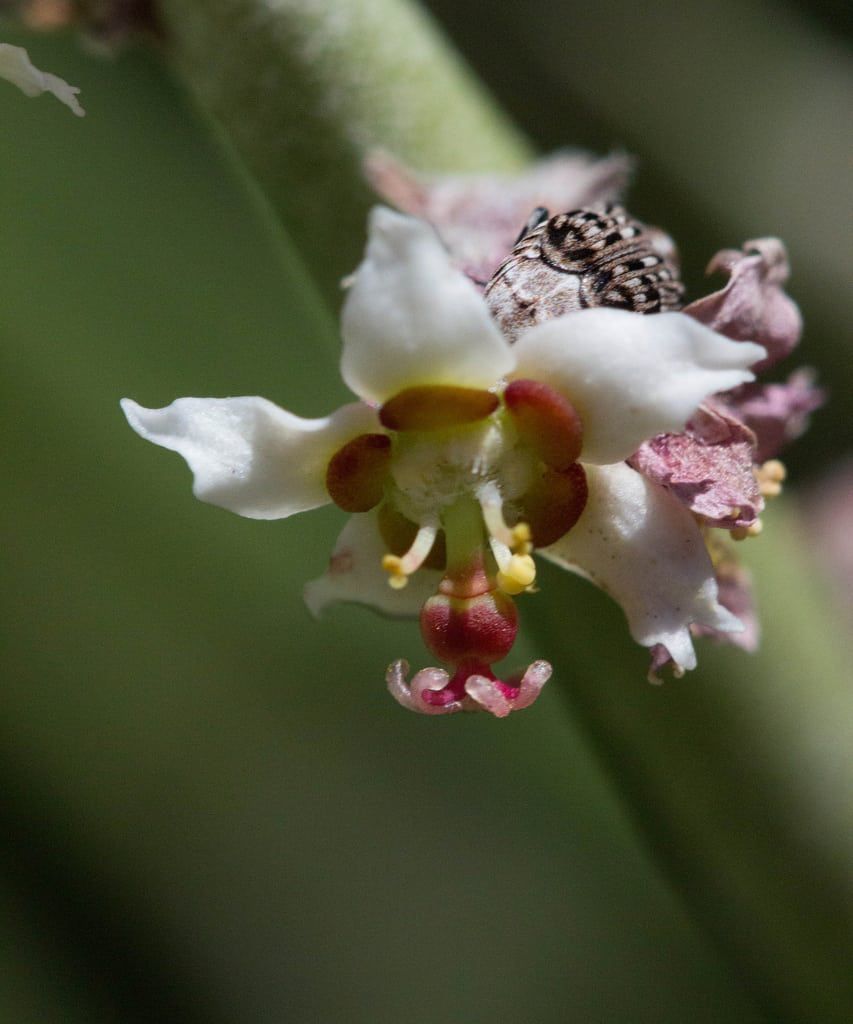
304,90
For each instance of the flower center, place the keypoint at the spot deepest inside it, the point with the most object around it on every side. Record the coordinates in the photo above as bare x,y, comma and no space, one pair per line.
511,456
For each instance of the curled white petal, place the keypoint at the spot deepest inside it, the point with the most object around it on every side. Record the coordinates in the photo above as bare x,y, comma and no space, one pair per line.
412,318
631,376
247,454
410,695
536,676
487,695
641,546
355,574
491,697
17,68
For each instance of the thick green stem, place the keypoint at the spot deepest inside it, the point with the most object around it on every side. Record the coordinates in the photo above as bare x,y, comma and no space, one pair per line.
303,90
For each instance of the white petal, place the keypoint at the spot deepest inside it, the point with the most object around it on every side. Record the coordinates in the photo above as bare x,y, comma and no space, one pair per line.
247,454
632,376
17,68
355,574
641,546
411,318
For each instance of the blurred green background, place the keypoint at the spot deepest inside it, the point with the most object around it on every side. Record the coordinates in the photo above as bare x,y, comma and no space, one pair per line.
211,809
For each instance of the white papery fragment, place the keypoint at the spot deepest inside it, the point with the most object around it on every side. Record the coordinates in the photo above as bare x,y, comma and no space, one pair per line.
17,68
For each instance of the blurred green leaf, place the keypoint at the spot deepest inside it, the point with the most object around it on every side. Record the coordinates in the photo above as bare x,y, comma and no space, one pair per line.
740,774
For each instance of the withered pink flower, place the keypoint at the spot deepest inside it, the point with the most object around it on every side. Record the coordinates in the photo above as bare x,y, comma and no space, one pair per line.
709,467
753,306
711,464
478,216
722,466
777,413
464,451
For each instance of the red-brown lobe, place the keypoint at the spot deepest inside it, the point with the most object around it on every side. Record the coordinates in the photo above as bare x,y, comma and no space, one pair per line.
546,421
355,477
436,406
554,504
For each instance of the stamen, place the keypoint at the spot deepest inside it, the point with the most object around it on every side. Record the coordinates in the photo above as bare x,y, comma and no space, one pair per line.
491,502
518,575
770,477
517,538
511,546
522,539
400,568
743,532
516,572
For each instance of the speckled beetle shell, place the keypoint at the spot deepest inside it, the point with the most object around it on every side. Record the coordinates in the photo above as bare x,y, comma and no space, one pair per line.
580,259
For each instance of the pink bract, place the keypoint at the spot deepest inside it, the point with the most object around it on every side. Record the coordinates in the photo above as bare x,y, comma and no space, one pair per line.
478,216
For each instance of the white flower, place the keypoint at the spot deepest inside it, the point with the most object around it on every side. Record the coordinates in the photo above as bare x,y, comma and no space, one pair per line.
465,451
17,68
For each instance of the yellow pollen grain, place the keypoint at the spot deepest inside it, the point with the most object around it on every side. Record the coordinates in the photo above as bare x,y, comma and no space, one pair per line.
509,585
743,532
517,575
770,476
393,565
523,569
522,540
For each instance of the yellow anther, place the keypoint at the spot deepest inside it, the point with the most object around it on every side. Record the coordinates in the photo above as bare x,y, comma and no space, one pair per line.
517,575
770,476
522,539
397,577
522,568
742,532
401,567
508,585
